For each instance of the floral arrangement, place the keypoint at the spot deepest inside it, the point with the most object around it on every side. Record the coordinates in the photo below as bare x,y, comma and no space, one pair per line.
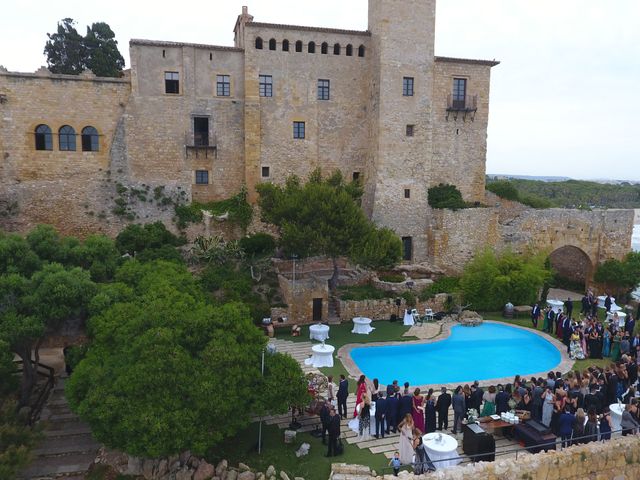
472,415
512,405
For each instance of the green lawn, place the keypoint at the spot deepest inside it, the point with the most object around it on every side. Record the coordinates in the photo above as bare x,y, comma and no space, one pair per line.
314,466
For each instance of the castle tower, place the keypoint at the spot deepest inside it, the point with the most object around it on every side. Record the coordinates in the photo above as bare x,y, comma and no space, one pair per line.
403,33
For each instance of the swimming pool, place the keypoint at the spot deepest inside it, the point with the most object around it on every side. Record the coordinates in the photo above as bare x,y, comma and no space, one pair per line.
488,351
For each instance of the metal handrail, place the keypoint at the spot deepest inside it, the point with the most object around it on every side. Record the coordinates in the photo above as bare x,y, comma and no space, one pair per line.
38,405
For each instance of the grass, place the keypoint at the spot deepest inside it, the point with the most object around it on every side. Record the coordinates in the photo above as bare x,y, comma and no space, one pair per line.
314,466
385,331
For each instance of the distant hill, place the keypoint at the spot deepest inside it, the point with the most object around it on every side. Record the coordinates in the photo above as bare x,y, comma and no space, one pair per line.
577,193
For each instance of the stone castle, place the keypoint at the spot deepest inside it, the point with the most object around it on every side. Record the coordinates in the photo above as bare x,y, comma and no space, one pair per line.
199,122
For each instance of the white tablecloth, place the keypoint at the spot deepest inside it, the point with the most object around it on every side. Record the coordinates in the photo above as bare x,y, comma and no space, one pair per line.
616,417
362,325
319,332
322,356
601,300
622,318
444,451
556,305
408,318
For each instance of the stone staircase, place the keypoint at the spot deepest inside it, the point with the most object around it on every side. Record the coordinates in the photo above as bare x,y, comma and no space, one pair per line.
67,448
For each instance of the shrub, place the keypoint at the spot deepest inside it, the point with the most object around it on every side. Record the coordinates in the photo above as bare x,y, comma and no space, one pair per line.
504,189
536,202
410,298
442,285
135,239
239,210
380,248
446,196
258,245
391,277
363,292
490,281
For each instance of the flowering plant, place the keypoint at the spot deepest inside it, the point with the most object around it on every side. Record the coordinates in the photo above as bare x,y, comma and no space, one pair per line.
472,415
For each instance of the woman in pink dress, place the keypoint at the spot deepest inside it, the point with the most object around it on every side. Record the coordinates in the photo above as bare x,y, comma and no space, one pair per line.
361,389
417,411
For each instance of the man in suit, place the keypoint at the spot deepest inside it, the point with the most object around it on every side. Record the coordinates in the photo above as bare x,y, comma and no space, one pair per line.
334,432
502,401
406,404
391,388
442,407
392,412
381,414
568,305
476,396
324,420
341,396
607,303
535,314
536,400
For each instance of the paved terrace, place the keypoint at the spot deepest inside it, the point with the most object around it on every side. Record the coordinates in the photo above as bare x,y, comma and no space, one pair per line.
388,445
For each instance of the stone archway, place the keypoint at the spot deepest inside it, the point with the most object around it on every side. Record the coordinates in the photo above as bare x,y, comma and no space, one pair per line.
572,265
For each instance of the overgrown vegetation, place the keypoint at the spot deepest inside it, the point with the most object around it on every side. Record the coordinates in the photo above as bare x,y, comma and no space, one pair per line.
620,277
507,190
579,193
391,277
239,210
446,196
442,285
364,292
489,281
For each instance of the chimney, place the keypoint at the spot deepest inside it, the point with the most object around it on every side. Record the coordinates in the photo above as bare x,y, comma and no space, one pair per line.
239,28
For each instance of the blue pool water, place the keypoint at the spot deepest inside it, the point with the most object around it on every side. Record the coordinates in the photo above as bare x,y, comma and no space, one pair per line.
469,353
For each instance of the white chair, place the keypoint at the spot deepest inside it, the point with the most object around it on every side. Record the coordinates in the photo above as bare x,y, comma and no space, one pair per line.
428,314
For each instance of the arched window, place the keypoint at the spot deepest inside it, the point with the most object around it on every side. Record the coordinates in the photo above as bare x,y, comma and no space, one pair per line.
324,49
285,45
67,139
89,139
298,46
361,51
312,47
259,43
349,50
272,44
44,140
336,49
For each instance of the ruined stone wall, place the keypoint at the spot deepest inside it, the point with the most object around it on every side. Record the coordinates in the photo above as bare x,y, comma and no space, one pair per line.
455,237
459,138
336,130
617,459
383,309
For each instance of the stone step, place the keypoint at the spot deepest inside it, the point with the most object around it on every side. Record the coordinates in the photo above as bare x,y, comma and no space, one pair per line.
79,429
79,443
57,466
61,417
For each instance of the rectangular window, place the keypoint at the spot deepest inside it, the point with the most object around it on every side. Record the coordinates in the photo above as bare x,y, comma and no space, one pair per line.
202,177
223,86
355,176
298,130
407,193
172,82
407,87
409,130
265,172
459,92
323,89
407,249
266,86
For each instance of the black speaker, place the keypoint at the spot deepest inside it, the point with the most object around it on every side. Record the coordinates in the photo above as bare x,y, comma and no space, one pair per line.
394,317
398,302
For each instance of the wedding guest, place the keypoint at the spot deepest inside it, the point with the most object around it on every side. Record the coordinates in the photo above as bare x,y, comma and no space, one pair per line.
406,427
442,406
417,411
459,409
430,413
341,396
392,413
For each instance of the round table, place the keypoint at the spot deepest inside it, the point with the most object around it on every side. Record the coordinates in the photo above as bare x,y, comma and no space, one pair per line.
362,326
556,305
446,451
601,300
319,332
616,417
322,356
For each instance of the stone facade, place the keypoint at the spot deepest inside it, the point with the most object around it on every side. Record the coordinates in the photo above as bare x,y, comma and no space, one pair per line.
212,128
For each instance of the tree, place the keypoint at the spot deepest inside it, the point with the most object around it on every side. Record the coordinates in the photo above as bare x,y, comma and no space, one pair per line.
380,249
620,276
153,240
445,196
102,55
65,49
322,217
70,53
490,281
166,372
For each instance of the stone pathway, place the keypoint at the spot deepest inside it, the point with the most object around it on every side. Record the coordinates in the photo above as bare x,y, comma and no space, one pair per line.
386,446
67,449
426,331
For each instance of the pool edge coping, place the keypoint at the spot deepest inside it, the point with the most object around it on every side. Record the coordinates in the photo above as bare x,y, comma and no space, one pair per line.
565,365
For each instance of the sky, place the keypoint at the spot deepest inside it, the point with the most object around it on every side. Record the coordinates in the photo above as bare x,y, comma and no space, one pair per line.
564,100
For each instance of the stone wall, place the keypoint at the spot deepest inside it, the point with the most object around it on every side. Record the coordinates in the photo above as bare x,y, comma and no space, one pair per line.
383,309
617,459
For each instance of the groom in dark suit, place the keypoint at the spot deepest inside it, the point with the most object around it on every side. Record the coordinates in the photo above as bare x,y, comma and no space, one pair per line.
341,396
442,407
